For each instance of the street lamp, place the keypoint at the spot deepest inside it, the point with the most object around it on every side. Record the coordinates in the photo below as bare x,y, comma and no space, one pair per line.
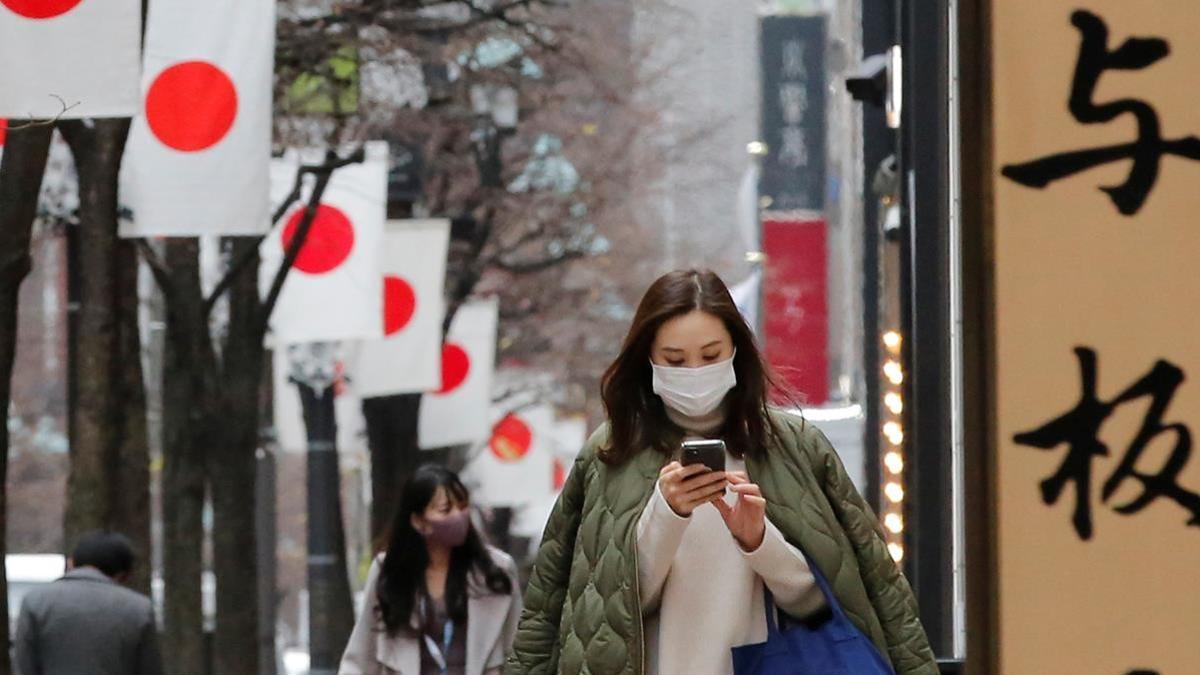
496,110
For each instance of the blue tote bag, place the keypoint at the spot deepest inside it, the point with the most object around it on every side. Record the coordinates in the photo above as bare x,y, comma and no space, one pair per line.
834,647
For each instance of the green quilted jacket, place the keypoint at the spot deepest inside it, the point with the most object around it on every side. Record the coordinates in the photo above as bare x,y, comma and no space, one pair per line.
582,607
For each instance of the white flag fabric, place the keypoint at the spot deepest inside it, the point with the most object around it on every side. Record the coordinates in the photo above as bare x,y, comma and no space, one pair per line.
290,432
335,289
199,150
570,434
746,296
515,467
409,356
460,411
82,51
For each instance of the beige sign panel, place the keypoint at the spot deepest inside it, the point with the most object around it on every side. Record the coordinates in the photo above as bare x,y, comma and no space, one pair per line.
1097,282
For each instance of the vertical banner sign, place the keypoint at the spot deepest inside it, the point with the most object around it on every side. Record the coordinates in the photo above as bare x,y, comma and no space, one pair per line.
335,289
459,412
1096,151
198,153
408,358
81,55
793,112
796,305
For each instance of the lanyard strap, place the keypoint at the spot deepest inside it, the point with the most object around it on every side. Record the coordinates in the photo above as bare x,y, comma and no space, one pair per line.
439,655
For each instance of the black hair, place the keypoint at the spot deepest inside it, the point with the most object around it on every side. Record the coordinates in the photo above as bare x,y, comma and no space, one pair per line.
109,552
402,577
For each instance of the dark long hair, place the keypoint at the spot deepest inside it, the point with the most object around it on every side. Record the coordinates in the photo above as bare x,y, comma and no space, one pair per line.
402,578
636,415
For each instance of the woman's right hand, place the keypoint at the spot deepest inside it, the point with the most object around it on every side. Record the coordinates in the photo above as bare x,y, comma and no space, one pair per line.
686,487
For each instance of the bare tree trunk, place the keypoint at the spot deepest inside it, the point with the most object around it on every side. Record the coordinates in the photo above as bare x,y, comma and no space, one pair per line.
109,484
331,609
94,414
21,172
187,373
210,431
232,471
392,439
265,520
131,496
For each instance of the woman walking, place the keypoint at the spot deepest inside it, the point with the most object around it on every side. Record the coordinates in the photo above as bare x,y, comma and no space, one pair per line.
439,600
652,564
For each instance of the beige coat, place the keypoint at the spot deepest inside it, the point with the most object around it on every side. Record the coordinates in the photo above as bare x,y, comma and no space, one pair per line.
491,626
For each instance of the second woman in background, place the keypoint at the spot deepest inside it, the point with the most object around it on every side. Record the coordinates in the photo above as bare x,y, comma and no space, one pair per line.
439,600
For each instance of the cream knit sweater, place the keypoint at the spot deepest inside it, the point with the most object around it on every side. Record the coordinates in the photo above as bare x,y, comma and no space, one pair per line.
702,594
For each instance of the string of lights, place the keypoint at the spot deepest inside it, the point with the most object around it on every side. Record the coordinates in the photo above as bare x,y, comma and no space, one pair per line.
893,457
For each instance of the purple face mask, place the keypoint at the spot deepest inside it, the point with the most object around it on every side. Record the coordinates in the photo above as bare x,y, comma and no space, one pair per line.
450,531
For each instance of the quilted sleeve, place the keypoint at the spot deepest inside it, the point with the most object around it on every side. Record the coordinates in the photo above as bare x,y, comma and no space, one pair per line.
890,594
535,649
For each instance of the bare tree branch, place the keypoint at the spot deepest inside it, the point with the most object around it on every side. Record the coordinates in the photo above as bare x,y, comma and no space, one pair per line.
533,266
158,266
35,122
239,265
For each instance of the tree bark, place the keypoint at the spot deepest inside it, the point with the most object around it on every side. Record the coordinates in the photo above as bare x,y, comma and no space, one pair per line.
392,440
232,471
21,171
331,609
94,414
109,483
187,425
131,496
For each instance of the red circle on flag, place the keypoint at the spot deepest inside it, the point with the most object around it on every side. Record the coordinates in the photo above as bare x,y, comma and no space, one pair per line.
328,243
191,106
399,304
40,9
511,439
456,364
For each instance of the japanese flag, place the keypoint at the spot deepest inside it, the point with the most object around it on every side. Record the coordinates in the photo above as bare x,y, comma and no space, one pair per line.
335,289
459,411
198,153
82,51
408,358
516,466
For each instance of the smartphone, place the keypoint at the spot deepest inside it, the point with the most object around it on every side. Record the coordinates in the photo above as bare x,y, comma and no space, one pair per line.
710,453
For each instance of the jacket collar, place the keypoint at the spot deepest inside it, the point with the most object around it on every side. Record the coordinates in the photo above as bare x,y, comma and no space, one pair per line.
88,574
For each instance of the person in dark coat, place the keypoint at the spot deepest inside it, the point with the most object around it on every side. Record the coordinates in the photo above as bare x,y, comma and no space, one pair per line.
87,623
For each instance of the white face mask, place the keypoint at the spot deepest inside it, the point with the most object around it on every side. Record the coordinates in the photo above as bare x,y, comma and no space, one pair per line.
695,392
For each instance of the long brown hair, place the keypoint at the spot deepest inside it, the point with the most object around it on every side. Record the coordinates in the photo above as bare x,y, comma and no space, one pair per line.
637,418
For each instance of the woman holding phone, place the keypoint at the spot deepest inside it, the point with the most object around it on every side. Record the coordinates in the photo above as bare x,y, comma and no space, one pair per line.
655,562
439,600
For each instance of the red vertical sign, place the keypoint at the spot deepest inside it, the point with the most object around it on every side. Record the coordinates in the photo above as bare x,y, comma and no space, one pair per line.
795,304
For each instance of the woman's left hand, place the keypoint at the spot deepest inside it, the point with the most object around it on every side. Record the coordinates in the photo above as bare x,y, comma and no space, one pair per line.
747,518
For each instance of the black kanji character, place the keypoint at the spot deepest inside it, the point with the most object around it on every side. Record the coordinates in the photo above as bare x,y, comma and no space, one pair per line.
1079,429
1146,152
